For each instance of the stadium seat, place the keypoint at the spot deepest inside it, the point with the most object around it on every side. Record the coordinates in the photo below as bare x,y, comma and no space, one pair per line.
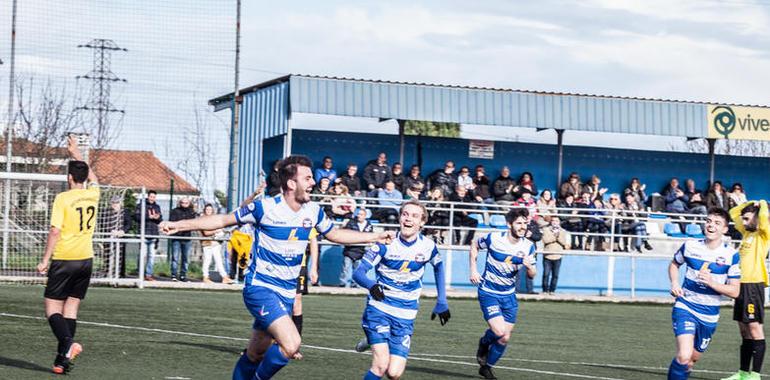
653,229
673,230
498,221
694,230
480,219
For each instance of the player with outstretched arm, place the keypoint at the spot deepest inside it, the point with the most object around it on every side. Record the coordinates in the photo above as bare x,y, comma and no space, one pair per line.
283,224
712,270
394,297
508,253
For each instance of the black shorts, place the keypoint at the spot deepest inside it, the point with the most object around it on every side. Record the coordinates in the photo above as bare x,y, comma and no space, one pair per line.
68,278
302,280
750,304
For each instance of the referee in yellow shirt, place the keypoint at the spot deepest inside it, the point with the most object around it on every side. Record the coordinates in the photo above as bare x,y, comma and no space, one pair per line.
751,220
69,250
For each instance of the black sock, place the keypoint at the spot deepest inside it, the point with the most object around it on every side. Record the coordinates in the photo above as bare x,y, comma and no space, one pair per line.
297,322
759,355
61,331
747,350
73,325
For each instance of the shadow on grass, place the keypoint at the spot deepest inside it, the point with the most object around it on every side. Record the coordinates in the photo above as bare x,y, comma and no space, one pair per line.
206,346
437,372
8,362
646,371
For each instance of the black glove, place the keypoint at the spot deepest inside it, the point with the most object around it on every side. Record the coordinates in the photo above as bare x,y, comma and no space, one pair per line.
378,292
442,310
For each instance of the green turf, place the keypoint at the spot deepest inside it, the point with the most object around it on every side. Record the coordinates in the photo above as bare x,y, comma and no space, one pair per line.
597,335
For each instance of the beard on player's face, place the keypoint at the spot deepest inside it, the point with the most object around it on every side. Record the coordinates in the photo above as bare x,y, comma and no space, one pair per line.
518,229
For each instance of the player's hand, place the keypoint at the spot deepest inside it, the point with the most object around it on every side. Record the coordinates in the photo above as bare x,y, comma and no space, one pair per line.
377,292
705,277
313,276
677,291
72,147
168,228
386,237
442,311
42,268
475,278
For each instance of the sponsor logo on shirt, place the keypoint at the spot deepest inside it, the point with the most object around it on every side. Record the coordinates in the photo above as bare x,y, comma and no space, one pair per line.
307,223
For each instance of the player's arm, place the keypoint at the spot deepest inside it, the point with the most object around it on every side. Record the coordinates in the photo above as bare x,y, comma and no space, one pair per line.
473,257
208,222
442,308
763,224
53,236
731,289
345,236
735,215
673,276
74,151
372,256
314,255
530,263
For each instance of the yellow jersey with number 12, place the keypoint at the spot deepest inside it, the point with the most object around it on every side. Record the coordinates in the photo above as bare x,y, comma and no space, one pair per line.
74,214
754,244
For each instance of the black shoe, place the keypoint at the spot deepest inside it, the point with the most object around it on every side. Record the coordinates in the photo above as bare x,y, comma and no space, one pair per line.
482,353
486,372
61,365
174,279
183,279
647,246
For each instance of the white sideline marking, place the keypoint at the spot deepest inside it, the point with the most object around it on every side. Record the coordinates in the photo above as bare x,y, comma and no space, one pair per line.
412,356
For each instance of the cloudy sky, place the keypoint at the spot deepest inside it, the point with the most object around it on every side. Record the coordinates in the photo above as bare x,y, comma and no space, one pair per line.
181,53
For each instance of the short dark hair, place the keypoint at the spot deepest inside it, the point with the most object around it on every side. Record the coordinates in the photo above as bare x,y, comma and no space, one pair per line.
288,168
78,170
152,192
516,213
327,158
750,208
720,212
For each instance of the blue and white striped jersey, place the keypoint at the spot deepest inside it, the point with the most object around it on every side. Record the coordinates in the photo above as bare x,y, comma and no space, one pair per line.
399,268
281,237
699,299
504,260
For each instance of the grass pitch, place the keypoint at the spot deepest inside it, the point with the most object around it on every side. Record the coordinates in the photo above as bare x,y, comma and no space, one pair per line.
170,334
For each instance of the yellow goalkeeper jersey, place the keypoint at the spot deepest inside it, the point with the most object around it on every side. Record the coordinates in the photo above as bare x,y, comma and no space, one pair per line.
754,245
74,214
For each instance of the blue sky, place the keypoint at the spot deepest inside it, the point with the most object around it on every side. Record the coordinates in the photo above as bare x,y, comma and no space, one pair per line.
181,53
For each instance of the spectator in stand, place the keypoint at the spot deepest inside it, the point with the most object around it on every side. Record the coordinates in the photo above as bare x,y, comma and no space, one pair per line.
594,188
555,239
697,201
343,204
737,195
636,189
152,218
676,199
464,179
415,191
323,188
503,187
180,248
461,218
527,200
398,176
615,207
444,179
526,183
353,253
413,178
274,181
573,223
632,224
546,206
325,171
439,215
351,181
717,197
524,284
376,173
212,249
596,224
108,217
391,199
481,189
572,186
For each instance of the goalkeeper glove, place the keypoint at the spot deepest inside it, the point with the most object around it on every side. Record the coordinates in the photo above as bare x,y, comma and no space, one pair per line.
442,311
378,292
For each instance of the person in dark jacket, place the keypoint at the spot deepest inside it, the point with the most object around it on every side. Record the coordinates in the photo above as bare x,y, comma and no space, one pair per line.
717,197
376,174
119,221
152,218
697,200
274,181
181,247
398,177
572,186
526,184
351,180
482,191
445,179
353,253
524,284
572,222
503,186
413,178
461,218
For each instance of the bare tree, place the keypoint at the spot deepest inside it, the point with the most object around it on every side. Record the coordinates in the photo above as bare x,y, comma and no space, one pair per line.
196,164
749,148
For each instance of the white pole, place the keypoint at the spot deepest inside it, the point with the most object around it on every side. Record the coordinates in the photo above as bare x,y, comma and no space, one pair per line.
142,239
633,277
610,274
9,138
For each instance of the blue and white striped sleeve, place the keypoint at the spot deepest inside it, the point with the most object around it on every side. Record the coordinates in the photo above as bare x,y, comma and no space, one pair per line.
250,214
485,241
734,272
323,224
375,253
435,256
679,255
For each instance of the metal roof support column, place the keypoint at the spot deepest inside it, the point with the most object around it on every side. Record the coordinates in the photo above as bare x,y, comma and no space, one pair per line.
712,158
560,145
401,124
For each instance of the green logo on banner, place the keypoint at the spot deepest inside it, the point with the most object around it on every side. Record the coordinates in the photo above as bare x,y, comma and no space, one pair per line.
724,121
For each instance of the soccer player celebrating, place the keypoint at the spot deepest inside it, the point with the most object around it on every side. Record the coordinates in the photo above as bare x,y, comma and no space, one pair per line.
751,220
508,254
393,300
70,252
283,224
712,271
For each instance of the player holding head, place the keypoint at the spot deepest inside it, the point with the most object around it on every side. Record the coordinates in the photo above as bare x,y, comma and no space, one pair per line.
508,253
393,300
751,220
282,228
70,251
712,270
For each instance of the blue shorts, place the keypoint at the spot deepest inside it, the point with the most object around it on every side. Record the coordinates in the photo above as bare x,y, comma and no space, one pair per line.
265,305
383,328
686,323
494,305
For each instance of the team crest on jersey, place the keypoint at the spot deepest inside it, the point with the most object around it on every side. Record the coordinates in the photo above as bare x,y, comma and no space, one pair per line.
374,248
251,206
419,257
721,261
307,223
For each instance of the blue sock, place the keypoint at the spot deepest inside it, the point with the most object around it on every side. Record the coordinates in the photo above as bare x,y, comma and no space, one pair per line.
495,352
271,363
677,371
488,337
244,368
371,376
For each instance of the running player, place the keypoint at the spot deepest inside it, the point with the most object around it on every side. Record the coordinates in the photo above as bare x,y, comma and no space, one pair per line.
751,221
712,270
283,224
508,253
394,298
70,251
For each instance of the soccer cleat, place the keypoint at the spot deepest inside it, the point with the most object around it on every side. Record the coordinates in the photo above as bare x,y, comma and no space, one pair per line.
482,352
60,365
75,350
486,372
740,375
752,376
362,345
